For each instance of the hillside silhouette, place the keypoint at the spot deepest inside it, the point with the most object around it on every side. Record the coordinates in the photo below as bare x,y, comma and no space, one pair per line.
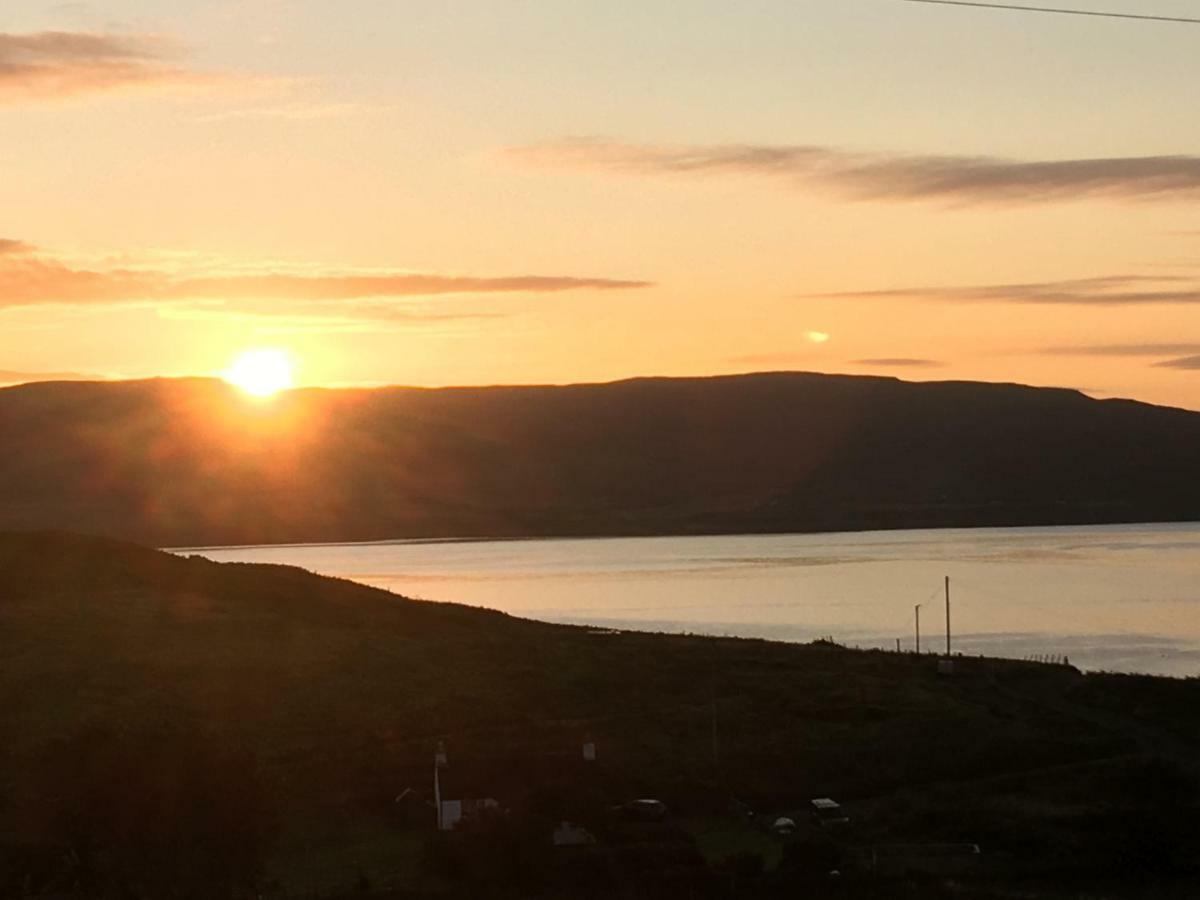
193,462
208,730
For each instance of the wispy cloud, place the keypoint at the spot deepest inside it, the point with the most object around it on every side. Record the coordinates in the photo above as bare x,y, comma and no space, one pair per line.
1110,290
52,64
9,377
29,278
350,286
816,341
799,357
295,111
1186,355
1148,349
898,362
781,358
7,245
1187,362
883,176
356,317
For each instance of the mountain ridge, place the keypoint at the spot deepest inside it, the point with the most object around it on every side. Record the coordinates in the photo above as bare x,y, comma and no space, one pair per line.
192,462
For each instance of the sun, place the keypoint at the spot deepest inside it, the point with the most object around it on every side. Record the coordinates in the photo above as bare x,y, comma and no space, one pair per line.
262,372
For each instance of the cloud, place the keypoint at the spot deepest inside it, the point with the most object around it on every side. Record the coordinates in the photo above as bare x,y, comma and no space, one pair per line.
312,288
898,362
54,64
792,357
355,317
1187,355
1111,290
30,278
10,377
884,176
782,358
10,246
1123,350
800,355
1187,362
295,111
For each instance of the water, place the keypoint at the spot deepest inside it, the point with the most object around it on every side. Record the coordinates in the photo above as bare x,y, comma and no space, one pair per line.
1121,598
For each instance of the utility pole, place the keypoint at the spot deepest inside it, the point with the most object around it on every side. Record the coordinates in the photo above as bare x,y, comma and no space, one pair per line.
437,795
439,760
713,675
917,612
947,615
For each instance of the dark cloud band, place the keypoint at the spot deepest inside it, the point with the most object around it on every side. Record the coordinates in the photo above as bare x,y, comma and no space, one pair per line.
1187,362
898,363
899,177
1112,290
1123,350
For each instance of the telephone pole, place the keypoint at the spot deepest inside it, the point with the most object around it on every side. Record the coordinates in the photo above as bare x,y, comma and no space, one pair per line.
713,675
917,613
439,760
947,615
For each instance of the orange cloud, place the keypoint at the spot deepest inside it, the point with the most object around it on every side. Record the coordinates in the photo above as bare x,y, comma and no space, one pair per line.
882,176
1123,350
1188,362
898,362
10,246
10,377
29,278
1109,290
1184,354
54,64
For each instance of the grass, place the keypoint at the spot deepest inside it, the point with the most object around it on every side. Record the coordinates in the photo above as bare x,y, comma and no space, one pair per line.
340,693
721,838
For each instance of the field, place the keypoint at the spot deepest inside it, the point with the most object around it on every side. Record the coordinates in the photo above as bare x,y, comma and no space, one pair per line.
201,729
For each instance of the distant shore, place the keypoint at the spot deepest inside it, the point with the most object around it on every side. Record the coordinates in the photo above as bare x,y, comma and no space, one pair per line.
482,539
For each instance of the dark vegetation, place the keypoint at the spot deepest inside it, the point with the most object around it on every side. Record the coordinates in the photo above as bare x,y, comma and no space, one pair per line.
174,727
190,463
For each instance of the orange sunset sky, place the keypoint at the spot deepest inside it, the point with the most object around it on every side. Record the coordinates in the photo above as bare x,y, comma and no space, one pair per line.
476,192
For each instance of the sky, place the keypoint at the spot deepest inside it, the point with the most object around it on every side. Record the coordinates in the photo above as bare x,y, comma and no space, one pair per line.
545,191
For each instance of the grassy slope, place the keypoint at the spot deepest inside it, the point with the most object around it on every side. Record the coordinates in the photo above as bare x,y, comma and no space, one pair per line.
341,692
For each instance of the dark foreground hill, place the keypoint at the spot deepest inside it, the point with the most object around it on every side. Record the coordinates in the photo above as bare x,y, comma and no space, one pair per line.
174,727
175,463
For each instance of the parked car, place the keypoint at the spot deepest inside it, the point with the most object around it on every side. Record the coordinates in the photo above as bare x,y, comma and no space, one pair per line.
783,826
644,810
827,813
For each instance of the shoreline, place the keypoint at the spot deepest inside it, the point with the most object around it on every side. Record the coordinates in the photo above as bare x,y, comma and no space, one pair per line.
499,539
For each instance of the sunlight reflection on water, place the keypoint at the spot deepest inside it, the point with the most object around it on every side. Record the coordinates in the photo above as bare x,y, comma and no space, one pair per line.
1124,598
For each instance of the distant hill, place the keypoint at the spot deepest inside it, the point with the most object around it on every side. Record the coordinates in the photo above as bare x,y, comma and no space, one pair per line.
192,462
175,723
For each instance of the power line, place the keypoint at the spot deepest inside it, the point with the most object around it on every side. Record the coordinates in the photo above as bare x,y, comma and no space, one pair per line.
1064,12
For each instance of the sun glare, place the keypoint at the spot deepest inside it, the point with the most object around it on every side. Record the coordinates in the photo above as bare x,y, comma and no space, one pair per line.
261,373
